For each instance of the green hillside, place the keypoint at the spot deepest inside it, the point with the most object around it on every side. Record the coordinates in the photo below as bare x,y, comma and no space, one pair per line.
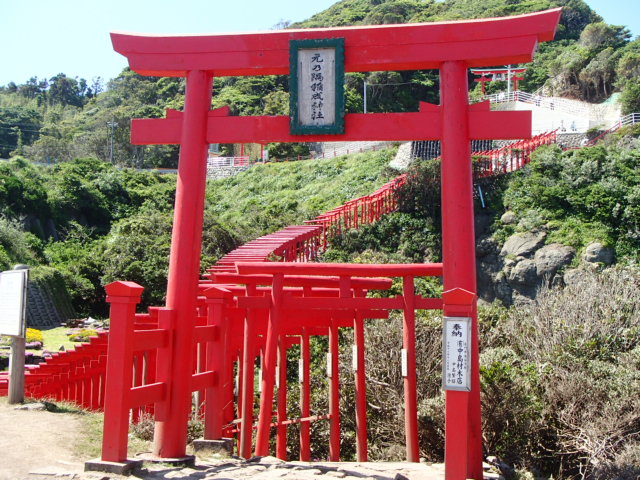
96,223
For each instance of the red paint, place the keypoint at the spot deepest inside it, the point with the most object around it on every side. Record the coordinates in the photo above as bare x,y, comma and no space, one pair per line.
184,262
485,42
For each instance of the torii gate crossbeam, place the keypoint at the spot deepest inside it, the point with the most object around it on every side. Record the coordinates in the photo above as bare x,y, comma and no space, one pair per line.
451,47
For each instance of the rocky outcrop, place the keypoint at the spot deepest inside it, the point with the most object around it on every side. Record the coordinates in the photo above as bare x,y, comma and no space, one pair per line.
514,273
523,244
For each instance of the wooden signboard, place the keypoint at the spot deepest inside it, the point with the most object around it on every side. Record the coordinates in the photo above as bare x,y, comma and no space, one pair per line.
317,86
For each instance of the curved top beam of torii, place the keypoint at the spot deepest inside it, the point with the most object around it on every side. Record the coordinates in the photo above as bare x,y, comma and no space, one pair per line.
480,43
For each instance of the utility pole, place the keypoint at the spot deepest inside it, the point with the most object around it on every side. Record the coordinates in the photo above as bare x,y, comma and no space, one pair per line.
365,96
112,124
508,83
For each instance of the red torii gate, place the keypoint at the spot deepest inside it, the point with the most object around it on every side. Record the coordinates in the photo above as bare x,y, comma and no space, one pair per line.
493,74
451,47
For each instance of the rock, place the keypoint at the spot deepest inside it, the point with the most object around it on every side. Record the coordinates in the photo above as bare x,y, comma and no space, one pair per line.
485,246
482,223
598,253
32,407
400,476
268,460
508,218
524,273
523,244
337,474
550,258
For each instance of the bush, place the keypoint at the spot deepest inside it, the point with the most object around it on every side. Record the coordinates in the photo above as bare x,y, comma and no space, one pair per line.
34,335
84,335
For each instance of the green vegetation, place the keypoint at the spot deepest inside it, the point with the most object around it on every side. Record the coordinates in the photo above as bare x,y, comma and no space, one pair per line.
559,399
580,196
88,223
54,338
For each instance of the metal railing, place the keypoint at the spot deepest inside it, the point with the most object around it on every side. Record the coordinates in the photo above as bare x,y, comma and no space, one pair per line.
630,119
552,103
216,162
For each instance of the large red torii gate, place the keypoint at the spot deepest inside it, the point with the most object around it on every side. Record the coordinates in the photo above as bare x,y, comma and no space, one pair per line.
451,47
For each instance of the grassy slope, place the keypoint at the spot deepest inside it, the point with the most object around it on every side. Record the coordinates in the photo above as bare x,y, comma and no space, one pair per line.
269,197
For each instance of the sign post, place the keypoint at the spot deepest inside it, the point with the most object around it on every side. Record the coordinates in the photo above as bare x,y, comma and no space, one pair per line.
13,301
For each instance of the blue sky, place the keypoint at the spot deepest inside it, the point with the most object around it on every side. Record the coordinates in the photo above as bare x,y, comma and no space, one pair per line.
43,38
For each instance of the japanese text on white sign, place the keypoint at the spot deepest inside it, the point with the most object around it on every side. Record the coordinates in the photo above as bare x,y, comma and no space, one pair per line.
456,354
316,86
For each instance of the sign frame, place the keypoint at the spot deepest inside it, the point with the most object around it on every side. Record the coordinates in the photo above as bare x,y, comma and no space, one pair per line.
337,127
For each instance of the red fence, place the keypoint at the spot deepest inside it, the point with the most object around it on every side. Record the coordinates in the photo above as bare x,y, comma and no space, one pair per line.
510,157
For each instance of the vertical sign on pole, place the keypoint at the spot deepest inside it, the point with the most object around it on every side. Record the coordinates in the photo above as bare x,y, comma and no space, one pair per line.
317,86
456,354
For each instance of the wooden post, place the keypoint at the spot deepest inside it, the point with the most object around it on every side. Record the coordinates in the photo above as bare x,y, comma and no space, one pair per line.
305,397
170,437
245,397
16,370
463,444
123,297
409,370
18,340
334,394
268,372
281,440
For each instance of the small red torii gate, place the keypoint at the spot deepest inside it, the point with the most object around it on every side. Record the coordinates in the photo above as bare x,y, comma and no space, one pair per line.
451,47
493,74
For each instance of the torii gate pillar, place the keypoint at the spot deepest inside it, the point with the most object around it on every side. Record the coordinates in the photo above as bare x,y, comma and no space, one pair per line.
463,444
170,434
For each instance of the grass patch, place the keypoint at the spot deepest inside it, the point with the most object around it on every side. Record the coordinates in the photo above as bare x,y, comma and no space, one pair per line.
54,338
89,445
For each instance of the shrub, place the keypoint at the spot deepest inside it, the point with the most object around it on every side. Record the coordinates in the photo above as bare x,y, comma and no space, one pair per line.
34,335
83,335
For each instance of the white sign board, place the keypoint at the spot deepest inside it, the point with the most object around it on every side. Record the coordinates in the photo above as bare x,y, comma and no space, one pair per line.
13,289
456,354
317,86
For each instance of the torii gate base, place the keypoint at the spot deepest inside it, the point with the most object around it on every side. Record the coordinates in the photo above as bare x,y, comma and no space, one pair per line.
451,47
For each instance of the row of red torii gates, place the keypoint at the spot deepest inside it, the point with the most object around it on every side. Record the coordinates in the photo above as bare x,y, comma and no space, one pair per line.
277,301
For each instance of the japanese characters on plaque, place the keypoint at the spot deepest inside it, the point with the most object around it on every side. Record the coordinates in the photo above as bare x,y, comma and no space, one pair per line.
317,93
456,354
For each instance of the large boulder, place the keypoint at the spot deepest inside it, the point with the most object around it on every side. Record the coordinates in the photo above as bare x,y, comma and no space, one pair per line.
508,218
524,273
598,253
550,258
523,244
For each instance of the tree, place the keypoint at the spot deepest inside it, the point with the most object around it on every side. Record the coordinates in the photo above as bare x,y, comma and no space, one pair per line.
630,97
599,35
17,123
65,91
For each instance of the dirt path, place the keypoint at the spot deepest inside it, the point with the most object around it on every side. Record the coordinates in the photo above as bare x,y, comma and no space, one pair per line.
33,441
39,445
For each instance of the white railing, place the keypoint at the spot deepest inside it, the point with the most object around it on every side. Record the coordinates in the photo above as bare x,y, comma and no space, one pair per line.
630,119
564,105
217,162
